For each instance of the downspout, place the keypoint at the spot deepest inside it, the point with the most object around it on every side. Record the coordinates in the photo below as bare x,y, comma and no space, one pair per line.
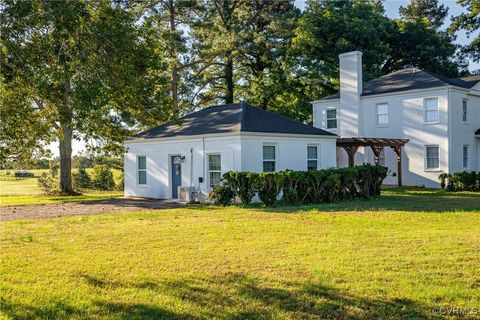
191,167
449,128
203,155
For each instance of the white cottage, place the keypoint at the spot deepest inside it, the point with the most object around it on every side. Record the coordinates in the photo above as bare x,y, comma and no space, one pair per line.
207,143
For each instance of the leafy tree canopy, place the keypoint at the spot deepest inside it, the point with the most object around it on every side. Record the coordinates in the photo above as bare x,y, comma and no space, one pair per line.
428,12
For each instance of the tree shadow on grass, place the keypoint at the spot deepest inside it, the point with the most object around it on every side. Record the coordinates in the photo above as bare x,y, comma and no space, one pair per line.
134,311
230,296
103,309
56,310
236,296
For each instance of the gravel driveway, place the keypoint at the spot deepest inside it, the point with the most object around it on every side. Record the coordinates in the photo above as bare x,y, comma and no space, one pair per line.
83,208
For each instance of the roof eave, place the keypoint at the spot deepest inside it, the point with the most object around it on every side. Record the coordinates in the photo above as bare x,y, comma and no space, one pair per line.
324,100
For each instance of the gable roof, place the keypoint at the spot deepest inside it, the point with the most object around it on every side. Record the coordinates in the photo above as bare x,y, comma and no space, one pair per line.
477,133
230,118
410,79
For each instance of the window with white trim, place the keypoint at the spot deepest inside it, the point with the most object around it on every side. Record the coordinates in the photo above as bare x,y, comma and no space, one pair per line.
465,157
214,169
431,110
464,110
332,119
269,158
142,170
382,114
312,157
433,159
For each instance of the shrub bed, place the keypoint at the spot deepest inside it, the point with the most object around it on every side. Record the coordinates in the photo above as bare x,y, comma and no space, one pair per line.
301,187
460,181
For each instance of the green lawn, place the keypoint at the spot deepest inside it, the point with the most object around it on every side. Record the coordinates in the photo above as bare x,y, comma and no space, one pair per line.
379,258
25,191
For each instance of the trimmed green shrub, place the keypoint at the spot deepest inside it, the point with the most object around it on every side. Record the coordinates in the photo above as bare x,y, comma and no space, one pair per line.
269,187
81,179
369,180
222,194
443,180
301,187
348,178
243,184
460,181
102,178
296,187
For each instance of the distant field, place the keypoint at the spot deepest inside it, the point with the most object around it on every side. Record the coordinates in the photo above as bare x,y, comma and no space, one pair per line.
25,191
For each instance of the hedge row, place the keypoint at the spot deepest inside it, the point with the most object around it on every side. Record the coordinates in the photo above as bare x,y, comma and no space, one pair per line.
460,181
301,187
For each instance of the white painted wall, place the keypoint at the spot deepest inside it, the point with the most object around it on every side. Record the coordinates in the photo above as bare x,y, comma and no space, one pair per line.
158,163
406,120
462,133
350,91
238,152
291,152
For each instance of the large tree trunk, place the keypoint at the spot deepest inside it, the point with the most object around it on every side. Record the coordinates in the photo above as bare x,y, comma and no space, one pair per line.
66,159
66,141
174,59
229,80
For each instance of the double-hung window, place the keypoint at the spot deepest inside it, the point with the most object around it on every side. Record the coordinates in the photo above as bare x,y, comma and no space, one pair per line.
433,159
382,114
312,157
431,110
465,157
214,169
269,158
142,170
464,110
332,119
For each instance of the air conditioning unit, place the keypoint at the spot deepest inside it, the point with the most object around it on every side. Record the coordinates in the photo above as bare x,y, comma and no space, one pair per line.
185,194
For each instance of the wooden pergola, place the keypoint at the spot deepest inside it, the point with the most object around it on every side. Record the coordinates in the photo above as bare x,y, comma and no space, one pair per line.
351,145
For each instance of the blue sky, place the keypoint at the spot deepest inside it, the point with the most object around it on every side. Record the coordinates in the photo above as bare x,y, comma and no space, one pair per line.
391,8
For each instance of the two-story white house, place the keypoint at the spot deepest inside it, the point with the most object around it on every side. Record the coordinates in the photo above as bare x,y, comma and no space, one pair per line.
440,116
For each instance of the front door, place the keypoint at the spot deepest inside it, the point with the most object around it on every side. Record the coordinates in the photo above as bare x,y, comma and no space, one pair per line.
176,166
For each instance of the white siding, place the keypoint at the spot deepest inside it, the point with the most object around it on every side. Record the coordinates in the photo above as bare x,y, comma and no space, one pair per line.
158,163
406,120
291,152
463,133
240,153
406,113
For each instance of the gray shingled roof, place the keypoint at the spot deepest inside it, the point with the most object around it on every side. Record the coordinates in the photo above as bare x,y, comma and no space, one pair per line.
410,79
230,118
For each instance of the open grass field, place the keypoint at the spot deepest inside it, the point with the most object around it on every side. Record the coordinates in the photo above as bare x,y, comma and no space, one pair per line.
25,191
411,254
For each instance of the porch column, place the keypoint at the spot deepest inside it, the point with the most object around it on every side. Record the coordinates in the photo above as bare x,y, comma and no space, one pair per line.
376,152
398,151
351,150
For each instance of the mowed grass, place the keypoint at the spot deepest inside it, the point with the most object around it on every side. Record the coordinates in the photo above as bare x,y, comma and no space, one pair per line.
354,260
25,191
